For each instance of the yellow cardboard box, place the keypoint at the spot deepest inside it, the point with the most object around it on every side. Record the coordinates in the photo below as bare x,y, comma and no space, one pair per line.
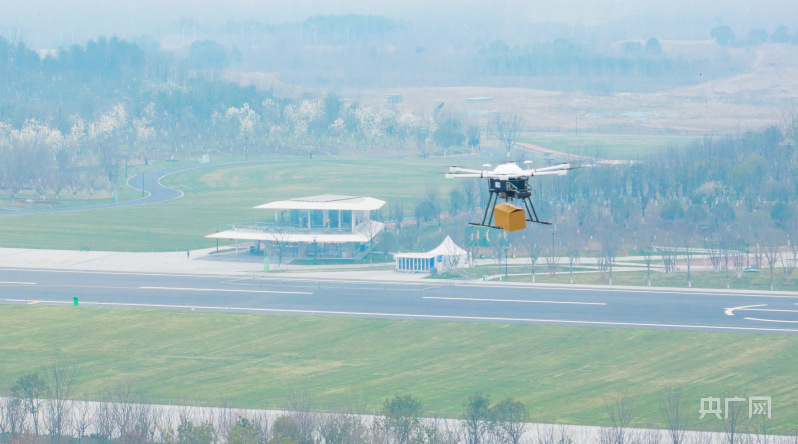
509,217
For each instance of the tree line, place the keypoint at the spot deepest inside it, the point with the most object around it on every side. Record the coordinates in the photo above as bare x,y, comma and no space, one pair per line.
42,409
72,121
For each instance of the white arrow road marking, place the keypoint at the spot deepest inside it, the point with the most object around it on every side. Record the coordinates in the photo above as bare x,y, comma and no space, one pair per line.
514,300
730,311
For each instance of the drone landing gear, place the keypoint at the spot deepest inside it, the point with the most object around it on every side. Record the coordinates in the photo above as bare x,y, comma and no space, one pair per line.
532,215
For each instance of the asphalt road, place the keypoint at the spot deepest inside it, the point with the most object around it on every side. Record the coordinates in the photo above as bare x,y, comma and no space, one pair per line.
607,307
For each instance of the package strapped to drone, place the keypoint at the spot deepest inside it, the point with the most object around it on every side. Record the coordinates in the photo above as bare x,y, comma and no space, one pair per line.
509,217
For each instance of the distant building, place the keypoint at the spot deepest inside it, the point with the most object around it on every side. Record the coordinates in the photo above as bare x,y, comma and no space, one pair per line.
394,99
316,227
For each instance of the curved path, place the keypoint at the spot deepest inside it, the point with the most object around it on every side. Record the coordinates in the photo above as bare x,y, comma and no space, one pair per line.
147,181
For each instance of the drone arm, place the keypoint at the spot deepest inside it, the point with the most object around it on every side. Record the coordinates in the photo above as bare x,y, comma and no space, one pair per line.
457,169
560,167
467,175
549,173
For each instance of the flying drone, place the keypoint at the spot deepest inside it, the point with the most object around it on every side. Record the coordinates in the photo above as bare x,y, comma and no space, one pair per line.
510,182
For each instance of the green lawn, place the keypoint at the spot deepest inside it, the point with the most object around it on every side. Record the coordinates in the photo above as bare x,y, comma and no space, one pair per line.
217,196
607,146
560,373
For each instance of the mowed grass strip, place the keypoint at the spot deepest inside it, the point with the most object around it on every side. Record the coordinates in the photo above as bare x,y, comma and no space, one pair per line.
560,373
218,196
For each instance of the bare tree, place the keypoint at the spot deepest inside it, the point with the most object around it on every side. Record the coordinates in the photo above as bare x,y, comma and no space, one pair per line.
146,420
668,260
370,229
673,415
124,411
397,214
300,404
610,242
82,419
533,249
646,436
553,434
280,236
688,255
620,410
733,418
104,419
499,243
738,260
452,257
761,429
771,252
552,261
506,127
572,247
789,261
648,255
58,411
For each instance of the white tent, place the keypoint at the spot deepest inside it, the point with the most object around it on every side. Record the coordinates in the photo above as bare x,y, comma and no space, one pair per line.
446,256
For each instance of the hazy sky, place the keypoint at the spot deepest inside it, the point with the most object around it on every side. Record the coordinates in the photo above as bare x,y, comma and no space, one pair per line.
49,23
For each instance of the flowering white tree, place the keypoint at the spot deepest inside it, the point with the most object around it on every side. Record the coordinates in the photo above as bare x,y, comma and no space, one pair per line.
372,123
102,135
419,128
247,120
142,126
305,118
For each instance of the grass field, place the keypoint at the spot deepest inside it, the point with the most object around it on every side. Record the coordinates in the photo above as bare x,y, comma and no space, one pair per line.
607,146
560,373
217,196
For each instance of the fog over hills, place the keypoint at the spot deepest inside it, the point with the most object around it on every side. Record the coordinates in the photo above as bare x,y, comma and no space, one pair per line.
50,23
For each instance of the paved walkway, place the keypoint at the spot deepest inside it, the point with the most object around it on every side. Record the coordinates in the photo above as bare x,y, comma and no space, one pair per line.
198,262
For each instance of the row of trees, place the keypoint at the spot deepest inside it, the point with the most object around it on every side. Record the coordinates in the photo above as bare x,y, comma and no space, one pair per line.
724,35
72,121
573,59
40,409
